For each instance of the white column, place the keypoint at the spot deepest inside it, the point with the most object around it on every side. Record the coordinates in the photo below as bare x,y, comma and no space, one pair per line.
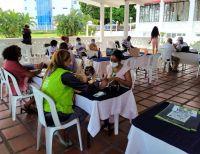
191,18
126,18
162,5
111,20
137,22
101,21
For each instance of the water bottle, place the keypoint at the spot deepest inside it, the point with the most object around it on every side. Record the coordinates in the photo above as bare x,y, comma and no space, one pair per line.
99,53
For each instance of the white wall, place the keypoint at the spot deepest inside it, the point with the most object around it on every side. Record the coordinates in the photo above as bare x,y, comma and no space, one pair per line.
31,7
61,7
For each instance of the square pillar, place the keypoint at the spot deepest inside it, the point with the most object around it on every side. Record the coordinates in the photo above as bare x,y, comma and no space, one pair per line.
101,21
190,31
137,22
161,17
126,18
111,20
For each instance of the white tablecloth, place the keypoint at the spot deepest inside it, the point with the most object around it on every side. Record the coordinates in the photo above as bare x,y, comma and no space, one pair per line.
123,105
139,142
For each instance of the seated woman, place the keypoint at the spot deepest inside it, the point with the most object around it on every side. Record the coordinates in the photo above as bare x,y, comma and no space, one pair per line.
66,40
93,46
117,72
66,83
73,65
53,47
12,56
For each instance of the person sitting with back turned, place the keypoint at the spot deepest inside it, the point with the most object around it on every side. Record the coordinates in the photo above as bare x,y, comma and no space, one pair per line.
180,44
66,40
126,44
73,65
169,48
93,46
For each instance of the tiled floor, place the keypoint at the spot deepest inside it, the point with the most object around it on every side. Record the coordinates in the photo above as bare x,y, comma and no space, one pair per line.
19,136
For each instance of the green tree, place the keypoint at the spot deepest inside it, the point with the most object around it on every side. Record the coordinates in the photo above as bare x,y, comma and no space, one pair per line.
11,23
118,13
73,23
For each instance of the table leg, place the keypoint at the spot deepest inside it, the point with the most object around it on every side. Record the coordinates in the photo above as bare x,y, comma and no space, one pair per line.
88,140
116,124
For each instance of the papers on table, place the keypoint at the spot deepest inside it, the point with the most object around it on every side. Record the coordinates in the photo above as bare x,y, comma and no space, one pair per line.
100,93
181,113
183,117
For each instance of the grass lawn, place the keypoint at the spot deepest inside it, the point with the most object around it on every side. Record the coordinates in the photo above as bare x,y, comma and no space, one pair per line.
41,34
36,35
44,34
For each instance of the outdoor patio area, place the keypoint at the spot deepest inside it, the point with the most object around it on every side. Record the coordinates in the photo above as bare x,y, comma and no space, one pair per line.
20,136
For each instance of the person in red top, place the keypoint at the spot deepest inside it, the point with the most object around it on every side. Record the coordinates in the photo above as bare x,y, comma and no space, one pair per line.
12,56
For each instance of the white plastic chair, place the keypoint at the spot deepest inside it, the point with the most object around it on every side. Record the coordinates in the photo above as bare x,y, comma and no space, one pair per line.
166,60
3,82
131,64
13,99
49,131
79,63
152,67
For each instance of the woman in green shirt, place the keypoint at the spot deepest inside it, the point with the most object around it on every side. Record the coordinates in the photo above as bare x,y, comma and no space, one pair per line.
59,83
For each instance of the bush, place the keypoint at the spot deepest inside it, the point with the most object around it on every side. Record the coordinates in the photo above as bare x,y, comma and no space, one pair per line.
71,24
11,23
74,23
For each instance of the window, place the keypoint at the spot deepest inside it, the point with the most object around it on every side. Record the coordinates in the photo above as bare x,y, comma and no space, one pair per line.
176,11
74,2
197,11
65,8
25,8
149,13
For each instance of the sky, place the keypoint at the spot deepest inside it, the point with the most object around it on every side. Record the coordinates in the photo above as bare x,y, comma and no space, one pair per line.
11,4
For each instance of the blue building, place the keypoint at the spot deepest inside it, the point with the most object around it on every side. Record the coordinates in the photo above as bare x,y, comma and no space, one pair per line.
44,11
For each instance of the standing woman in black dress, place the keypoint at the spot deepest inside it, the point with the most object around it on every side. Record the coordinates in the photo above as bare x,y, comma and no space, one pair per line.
26,32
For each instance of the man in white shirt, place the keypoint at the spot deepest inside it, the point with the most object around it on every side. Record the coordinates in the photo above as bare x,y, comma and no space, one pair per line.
169,49
180,44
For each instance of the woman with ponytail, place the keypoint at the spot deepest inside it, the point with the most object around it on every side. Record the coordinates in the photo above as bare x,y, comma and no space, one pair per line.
60,84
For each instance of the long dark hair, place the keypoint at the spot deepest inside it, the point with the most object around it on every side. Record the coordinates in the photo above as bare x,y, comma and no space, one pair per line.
155,32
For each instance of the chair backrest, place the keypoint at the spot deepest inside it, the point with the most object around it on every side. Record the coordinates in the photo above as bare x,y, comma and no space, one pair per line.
2,76
130,62
111,44
154,60
11,80
164,54
39,99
